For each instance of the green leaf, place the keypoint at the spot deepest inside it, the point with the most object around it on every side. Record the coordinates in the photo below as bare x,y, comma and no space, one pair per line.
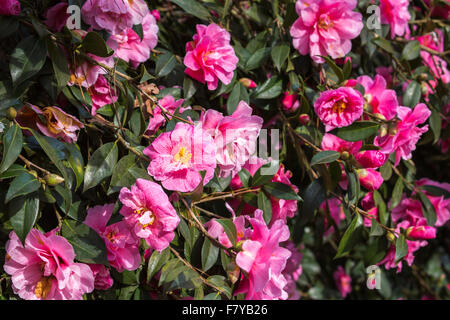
100,165
59,63
189,88
23,214
138,29
401,248
260,177
376,230
12,146
314,195
63,198
194,8
94,43
271,88
87,244
325,157
265,205
219,184
381,206
230,229
165,64
337,70
122,174
348,239
156,261
76,162
432,190
357,131
384,44
354,187
429,212
14,171
281,191
279,55
397,193
411,51
24,184
210,253
27,59
220,283
436,125
245,177
412,94
257,59
8,25
238,94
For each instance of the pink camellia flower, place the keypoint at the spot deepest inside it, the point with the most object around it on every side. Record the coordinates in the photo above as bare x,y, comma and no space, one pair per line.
396,14
235,136
10,7
421,233
113,16
101,94
368,204
386,73
147,210
248,83
177,157
157,119
304,119
57,124
56,16
334,206
325,27
290,102
129,47
44,268
370,179
121,244
440,203
156,14
404,135
210,57
263,260
339,108
343,281
380,101
103,280
440,9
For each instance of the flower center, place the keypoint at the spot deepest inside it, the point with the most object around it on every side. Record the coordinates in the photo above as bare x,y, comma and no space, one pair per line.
339,107
183,156
77,80
325,23
43,287
145,220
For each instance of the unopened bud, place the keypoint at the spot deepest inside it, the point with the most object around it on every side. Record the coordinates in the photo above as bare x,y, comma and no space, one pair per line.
423,77
390,236
379,116
351,83
11,113
345,155
383,130
53,179
304,119
248,83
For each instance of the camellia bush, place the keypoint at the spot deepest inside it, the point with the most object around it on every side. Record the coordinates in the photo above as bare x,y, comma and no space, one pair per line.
221,149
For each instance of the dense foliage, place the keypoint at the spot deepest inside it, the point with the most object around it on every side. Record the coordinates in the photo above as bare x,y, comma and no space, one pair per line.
221,149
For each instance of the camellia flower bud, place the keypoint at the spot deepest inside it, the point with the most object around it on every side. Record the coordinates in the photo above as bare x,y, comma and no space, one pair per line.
11,113
53,179
390,236
345,155
304,119
383,130
248,83
421,233
351,83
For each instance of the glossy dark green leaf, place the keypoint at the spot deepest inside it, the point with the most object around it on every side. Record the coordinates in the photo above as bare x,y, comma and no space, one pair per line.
8,25
397,193
257,59
12,146
350,236
165,64
279,55
381,206
189,88
230,229
401,248
100,165
265,205
76,162
123,173
23,213
376,230
436,125
313,197
412,94
14,171
432,190
245,177
210,253
281,191
22,185
156,261
325,157
270,89
220,282
87,244
194,8
358,131
27,59
59,63
429,211
264,174
94,43
238,94
411,51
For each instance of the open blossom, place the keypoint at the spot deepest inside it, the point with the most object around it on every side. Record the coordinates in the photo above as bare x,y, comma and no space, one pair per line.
339,108
396,14
103,280
325,28
56,16
121,244
177,157
343,281
113,16
210,57
157,119
440,203
334,206
235,136
101,94
263,259
150,214
57,124
381,101
129,47
44,268
404,135
10,7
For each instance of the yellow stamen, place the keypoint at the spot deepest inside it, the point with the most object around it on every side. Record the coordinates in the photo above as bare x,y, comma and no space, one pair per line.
43,288
183,156
339,107
77,80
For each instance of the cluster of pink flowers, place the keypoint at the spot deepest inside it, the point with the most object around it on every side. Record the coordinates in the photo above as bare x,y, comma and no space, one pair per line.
10,8
343,281
396,14
325,28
